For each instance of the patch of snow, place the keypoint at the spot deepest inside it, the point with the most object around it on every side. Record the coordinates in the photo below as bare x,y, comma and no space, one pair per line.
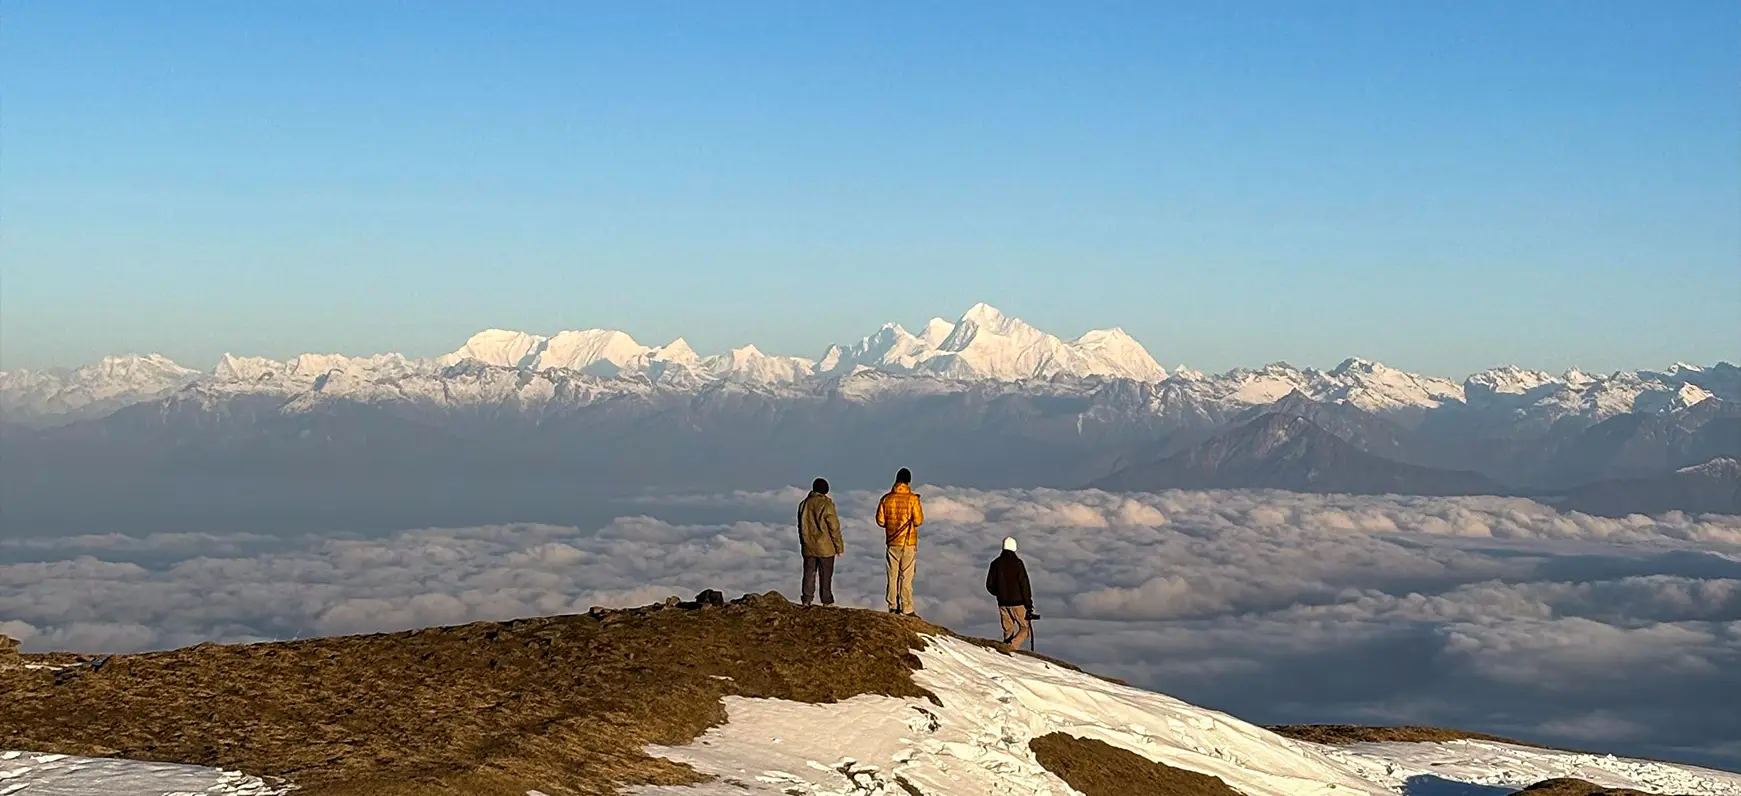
1722,466
976,741
33,774
1506,765
1688,395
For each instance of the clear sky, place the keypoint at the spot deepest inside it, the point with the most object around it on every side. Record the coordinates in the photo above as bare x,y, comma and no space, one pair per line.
1439,186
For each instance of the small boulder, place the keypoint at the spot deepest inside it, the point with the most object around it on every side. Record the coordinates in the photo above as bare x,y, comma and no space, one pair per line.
768,598
8,645
712,597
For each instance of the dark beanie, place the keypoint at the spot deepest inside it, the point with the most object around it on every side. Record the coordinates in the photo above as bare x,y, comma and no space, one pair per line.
820,486
905,476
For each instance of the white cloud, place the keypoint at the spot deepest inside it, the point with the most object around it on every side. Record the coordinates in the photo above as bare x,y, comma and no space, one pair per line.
1496,614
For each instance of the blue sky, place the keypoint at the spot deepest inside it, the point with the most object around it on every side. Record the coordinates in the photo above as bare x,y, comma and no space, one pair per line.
1440,186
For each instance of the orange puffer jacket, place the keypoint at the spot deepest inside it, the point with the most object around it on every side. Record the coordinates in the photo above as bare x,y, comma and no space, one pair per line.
900,514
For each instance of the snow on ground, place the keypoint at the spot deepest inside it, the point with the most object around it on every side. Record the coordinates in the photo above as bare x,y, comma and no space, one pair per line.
31,774
1481,763
976,742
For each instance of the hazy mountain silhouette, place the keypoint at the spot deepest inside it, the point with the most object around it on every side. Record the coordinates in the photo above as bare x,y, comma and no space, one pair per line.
1282,451
1638,444
1356,426
1710,488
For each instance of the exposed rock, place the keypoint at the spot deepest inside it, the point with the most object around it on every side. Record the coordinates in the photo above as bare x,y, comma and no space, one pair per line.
711,597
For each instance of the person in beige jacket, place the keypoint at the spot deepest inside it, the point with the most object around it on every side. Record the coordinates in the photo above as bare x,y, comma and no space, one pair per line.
819,540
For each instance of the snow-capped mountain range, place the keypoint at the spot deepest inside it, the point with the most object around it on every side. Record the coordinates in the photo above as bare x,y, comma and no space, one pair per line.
983,346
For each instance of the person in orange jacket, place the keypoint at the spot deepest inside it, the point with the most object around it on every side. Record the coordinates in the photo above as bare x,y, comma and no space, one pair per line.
900,514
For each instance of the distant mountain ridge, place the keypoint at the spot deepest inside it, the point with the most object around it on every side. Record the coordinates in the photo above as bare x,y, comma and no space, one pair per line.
983,345
985,401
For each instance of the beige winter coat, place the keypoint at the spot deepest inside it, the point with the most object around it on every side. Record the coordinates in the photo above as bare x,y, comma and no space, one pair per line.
819,527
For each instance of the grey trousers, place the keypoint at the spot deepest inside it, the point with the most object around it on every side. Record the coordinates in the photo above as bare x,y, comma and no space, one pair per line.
819,567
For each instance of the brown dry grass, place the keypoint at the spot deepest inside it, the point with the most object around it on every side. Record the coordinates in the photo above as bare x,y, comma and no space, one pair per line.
1575,787
562,704
1097,768
1340,734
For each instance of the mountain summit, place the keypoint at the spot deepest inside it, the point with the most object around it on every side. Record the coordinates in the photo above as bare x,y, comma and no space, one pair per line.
756,696
985,344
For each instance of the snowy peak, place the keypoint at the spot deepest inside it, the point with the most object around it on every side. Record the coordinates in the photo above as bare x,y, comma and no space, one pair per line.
985,320
891,348
1376,388
604,352
1121,354
748,365
133,367
245,369
936,331
986,344
676,352
1510,380
988,317
498,347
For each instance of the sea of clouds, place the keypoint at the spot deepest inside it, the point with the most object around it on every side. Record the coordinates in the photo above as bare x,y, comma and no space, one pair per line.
1482,613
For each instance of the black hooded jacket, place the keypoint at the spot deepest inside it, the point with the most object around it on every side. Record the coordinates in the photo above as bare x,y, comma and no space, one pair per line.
1008,581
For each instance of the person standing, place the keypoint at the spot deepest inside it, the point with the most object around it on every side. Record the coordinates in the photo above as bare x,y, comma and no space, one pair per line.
819,540
900,514
1007,580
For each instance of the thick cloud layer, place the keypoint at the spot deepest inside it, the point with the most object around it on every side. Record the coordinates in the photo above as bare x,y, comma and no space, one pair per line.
1483,613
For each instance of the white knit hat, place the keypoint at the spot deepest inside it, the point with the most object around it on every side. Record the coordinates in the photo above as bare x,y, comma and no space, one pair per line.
1009,543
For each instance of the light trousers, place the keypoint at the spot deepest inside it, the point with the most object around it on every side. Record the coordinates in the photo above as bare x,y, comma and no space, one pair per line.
901,563
1015,624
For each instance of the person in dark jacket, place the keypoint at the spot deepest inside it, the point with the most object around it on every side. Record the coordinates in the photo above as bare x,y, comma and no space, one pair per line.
1008,582
819,540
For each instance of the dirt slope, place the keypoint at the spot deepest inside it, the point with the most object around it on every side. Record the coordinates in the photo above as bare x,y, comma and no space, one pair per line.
1097,768
1575,787
1337,734
562,704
